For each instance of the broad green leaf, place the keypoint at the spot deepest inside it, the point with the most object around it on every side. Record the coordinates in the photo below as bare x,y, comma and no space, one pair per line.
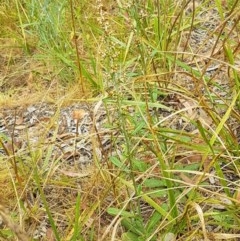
130,225
129,236
153,182
139,127
153,221
139,165
122,213
118,163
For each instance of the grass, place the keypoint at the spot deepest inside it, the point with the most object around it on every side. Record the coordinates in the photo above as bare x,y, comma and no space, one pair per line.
166,75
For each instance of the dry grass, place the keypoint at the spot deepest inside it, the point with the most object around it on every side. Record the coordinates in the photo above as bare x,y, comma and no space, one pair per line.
165,77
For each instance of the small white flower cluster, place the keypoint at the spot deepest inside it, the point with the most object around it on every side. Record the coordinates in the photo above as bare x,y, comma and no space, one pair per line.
102,19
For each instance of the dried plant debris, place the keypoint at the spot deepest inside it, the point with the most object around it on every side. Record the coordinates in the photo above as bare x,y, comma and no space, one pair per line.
69,134
69,129
6,219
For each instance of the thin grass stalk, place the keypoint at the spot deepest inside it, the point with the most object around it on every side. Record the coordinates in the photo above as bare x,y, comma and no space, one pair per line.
77,226
43,198
129,154
164,166
21,24
76,48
